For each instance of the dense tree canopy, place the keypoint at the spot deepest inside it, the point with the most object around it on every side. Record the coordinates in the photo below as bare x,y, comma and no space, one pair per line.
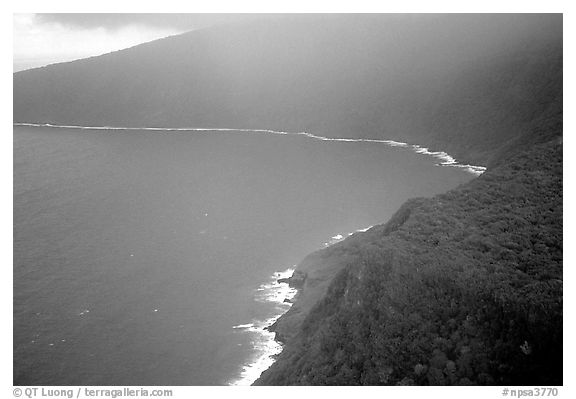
466,290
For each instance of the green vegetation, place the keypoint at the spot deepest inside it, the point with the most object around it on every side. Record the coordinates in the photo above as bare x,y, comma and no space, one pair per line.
464,288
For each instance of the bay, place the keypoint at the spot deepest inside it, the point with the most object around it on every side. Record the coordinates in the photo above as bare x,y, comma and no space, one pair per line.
136,252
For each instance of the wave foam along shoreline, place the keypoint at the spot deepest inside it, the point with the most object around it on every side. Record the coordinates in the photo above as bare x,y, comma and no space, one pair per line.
265,344
445,158
340,237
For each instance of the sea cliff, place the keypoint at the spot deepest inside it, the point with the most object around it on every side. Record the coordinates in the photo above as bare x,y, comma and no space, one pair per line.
463,288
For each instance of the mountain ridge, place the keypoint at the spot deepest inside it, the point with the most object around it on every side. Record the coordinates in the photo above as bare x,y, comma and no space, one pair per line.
463,288
434,80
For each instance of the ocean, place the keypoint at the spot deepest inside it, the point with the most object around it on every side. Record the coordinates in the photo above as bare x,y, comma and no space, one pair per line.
151,257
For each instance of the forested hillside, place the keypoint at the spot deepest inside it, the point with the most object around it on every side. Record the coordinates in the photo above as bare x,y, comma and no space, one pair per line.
465,84
464,288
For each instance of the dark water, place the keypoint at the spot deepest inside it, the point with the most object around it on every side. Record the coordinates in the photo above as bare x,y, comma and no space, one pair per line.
135,253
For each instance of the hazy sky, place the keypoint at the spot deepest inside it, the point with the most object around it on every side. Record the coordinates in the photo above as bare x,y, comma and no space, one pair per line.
41,39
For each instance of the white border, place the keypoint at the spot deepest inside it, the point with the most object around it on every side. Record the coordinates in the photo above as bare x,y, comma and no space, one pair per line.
292,6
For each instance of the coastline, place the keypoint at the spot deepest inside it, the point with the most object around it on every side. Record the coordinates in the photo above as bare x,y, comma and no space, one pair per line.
350,291
444,158
282,290
267,344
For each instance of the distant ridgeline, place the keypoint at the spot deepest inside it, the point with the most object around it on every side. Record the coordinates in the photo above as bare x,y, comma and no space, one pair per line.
462,288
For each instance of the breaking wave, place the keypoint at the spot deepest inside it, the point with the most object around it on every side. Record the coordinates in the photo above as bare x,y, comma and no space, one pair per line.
444,158
265,347
264,344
